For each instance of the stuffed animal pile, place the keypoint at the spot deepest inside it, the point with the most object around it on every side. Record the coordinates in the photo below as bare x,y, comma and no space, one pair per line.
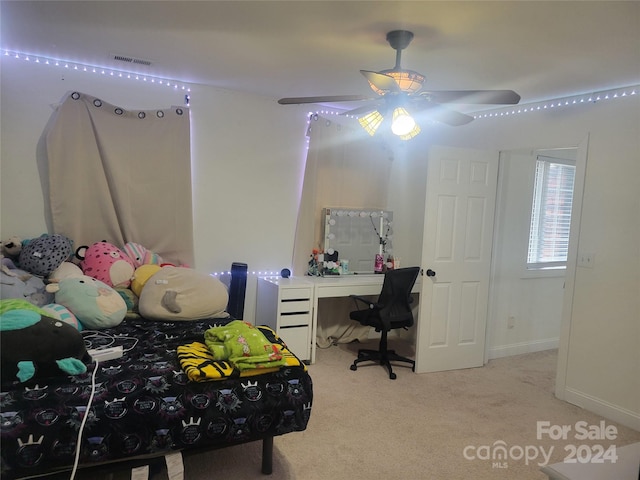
48,294
98,285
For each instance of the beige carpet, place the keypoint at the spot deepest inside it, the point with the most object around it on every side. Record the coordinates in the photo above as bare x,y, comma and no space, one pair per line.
365,426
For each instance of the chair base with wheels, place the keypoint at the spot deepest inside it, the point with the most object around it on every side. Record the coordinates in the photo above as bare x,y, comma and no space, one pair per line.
383,356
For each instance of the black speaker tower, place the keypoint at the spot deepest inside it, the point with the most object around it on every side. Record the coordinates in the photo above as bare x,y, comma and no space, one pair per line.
237,290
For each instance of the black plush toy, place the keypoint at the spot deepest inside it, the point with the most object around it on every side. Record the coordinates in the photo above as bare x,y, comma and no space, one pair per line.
36,346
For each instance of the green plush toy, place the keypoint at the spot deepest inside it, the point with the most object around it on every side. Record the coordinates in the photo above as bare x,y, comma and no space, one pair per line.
34,345
243,345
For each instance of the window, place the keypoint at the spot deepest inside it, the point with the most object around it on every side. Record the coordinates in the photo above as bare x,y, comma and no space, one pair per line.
551,213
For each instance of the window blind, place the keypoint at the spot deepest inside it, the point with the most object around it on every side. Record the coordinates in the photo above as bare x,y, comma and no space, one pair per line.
551,213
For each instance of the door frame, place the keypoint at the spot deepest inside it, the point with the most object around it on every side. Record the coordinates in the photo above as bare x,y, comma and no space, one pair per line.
572,263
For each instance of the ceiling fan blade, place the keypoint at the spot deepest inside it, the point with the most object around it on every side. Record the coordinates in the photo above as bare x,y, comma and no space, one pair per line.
381,81
451,117
328,99
364,109
503,97
442,114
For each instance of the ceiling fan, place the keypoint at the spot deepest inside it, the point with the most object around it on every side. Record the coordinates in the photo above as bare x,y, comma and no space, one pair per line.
399,93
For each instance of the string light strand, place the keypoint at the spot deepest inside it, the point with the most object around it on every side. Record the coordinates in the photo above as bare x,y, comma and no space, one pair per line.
105,71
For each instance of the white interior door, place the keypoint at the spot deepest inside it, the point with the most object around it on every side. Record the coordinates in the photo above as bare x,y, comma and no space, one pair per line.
456,258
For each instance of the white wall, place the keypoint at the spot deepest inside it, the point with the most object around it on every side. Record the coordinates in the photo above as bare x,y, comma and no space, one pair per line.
248,157
248,162
407,192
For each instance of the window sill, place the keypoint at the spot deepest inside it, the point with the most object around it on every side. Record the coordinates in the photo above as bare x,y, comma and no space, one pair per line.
550,272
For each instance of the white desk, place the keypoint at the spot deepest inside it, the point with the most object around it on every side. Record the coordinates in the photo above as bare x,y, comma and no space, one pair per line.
277,297
343,286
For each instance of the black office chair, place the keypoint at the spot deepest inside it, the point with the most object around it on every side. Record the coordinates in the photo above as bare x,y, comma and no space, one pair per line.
392,310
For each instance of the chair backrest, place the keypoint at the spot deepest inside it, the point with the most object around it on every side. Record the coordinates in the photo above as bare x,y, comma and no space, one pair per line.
395,297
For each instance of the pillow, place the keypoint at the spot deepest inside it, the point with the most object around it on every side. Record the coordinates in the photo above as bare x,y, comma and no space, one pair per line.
44,254
139,255
65,270
141,275
107,263
94,303
179,293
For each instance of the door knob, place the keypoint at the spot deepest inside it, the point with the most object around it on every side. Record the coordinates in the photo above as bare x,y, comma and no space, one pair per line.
430,273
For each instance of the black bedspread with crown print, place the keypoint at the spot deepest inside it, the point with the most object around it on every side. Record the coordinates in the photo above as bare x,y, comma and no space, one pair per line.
144,404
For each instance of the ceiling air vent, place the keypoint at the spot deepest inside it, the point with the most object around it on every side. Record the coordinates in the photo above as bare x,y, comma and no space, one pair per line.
131,60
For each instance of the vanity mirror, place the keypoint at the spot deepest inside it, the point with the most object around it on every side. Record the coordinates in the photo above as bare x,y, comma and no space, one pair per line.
358,235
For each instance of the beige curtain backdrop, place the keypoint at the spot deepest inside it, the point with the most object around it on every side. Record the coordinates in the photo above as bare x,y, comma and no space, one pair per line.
119,175
345,168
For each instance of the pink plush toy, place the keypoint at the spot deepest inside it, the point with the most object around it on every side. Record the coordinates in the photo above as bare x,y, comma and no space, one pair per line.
107,263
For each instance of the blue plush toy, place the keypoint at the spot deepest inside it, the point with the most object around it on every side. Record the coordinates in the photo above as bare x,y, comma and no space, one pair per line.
36,346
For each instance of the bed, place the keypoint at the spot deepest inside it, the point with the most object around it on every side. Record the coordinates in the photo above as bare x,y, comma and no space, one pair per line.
145,406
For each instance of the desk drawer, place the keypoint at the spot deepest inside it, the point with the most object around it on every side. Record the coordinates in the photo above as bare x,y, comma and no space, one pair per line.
295,319
297,340
292,306
295,293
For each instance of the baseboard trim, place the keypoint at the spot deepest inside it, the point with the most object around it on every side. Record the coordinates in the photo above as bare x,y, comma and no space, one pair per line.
523,347
603,408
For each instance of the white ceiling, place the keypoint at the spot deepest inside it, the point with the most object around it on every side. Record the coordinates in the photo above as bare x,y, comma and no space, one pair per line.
542,50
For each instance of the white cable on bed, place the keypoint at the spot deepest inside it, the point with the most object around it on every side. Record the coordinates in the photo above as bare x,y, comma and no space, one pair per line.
84,420
106,340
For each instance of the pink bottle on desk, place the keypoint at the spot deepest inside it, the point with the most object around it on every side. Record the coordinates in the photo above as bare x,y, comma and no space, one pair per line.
378,265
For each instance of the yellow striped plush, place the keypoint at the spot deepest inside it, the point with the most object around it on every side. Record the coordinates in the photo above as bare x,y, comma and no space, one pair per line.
198,363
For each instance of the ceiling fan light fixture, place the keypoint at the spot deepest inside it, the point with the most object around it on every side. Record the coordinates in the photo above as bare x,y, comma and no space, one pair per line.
402,123
411,134
397,87
371,121
408,81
